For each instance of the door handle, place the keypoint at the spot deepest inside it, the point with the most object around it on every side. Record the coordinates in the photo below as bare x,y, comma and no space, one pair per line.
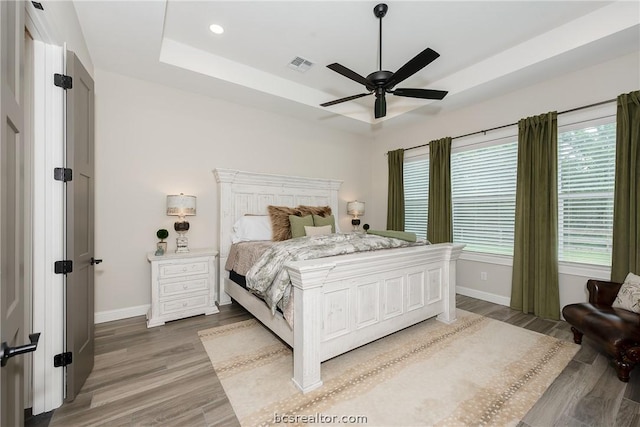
95,261
7,352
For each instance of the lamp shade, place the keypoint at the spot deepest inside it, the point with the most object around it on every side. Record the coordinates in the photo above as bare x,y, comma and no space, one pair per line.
181,205
355,208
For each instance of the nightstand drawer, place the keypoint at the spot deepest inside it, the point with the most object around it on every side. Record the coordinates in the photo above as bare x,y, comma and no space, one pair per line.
184,286
191,303
183,269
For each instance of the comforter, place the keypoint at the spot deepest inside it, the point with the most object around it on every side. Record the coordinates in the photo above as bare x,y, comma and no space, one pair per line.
270,280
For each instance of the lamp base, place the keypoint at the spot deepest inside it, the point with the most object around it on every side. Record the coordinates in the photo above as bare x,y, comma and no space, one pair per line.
182,243
356,224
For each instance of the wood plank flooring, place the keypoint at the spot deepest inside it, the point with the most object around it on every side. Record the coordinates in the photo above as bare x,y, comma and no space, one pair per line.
157,376
586,393
162,376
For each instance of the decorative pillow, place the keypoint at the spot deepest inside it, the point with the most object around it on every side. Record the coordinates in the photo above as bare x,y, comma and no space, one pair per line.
250,228
317,231
280,225
629,294
298,224
319,221
314,210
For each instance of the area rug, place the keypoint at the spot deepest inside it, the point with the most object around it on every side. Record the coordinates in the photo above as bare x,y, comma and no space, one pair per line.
476,371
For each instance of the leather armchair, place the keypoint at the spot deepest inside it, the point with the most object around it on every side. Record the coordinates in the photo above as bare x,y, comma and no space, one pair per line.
614,330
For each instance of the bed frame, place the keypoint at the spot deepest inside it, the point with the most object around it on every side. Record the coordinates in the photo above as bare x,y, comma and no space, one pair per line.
340,302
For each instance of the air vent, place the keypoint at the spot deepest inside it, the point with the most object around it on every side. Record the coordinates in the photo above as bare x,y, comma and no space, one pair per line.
300,64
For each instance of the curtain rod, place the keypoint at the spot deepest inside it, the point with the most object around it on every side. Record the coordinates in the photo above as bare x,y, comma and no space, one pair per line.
513,124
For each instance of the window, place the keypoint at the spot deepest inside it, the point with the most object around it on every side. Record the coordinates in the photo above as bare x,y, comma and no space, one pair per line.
483,183
416,195
586,174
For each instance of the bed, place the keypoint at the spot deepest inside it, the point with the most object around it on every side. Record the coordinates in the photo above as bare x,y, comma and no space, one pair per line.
340,302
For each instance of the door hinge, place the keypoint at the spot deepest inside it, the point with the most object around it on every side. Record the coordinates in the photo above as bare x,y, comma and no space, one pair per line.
37,5
65,82
62,359
63,267
62,174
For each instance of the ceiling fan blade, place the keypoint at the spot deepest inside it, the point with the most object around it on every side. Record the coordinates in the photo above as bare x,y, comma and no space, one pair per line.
341,69
381,106
348,98
416,64
421,93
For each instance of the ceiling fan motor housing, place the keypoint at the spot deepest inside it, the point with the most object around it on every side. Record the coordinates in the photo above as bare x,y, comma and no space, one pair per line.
378,78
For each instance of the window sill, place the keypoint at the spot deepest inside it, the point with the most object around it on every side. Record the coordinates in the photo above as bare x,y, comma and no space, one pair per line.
591,271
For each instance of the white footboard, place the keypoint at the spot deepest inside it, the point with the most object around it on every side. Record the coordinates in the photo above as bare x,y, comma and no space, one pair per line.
341,303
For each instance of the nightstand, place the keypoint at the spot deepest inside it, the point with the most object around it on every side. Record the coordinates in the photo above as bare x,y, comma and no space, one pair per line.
182,285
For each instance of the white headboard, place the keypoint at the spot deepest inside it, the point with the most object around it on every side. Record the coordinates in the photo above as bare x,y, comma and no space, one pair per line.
241,193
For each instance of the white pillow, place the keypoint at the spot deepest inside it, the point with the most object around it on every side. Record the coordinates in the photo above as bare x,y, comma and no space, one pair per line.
317,231
250,228
629,294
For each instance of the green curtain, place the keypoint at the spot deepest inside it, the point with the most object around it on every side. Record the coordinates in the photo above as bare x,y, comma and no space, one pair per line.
626,202
534,287
440,222
395,195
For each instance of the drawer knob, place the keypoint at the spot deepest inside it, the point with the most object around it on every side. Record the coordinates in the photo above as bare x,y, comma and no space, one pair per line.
184,269
184,286
184,304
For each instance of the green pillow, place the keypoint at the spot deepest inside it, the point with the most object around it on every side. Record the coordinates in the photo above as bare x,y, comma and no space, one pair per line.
298,223
319,221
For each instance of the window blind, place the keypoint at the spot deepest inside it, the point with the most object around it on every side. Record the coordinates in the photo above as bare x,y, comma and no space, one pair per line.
483,183
586,175
416,196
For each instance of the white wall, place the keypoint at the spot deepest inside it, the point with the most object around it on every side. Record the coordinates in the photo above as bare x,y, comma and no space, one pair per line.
152,140
591,85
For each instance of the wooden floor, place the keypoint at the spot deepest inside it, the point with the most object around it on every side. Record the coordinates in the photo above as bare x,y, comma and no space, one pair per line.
162,376
586,393
157,376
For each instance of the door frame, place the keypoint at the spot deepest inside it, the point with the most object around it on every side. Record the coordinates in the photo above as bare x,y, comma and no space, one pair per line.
27,84
48,212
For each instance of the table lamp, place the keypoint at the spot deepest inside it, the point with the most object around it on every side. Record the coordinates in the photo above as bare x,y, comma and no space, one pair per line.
181,205
356,209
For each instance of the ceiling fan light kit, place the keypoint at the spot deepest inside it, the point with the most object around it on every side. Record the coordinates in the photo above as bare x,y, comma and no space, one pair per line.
381,82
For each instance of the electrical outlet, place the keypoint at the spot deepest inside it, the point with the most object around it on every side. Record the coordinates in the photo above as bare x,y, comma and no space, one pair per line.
483,275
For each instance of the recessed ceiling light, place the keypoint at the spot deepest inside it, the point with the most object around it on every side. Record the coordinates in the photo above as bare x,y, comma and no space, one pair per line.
216,29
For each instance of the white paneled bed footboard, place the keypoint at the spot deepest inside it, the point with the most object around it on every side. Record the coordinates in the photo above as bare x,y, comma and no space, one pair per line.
340,302
343,302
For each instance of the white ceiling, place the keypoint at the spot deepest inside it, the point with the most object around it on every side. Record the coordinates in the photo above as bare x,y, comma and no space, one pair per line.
487,48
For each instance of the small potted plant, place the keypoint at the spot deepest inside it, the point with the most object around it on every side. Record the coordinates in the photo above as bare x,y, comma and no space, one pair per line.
162,245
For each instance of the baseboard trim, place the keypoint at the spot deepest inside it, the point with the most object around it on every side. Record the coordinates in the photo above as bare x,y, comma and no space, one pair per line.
122,313
485,296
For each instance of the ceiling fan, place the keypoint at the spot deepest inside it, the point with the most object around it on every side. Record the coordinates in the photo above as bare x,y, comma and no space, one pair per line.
382,82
